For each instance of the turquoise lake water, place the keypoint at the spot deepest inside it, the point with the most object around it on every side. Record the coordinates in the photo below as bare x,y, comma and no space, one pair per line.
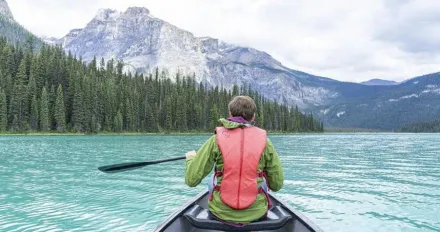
343,182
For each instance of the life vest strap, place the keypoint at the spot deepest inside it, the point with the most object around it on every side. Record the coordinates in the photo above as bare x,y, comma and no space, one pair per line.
260,190
264,175
269,205
216,188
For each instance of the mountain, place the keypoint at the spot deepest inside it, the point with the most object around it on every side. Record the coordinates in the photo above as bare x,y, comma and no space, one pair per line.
12,30
379,82
4,10
50,40
145,42
387,107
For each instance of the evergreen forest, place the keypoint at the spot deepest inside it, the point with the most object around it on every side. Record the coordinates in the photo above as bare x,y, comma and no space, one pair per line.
422,127
47,90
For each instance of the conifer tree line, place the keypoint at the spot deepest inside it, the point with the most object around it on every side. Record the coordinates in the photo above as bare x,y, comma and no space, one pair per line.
422,127
50,91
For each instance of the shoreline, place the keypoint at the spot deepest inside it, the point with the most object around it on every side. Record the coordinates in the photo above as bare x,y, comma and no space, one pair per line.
200,133
139,133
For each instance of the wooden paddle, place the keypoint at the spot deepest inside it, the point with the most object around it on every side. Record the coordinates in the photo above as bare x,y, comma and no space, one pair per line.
134,165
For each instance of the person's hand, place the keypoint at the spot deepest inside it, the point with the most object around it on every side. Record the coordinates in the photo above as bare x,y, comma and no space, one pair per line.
190,154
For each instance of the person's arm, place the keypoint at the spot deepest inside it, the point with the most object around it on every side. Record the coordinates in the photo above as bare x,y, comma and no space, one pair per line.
274,169
200,165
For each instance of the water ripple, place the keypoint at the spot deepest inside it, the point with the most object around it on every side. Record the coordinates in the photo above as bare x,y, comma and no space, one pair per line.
343,182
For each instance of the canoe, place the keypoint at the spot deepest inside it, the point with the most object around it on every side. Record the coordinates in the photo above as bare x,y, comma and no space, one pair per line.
194,217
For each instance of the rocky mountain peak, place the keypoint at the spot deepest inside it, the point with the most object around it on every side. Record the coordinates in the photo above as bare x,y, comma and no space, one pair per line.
107,15
137,11
4,9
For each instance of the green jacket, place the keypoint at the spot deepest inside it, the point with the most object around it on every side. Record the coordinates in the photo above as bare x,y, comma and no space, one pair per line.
198,167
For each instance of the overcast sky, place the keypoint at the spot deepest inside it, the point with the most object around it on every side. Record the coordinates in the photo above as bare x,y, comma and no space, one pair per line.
352,40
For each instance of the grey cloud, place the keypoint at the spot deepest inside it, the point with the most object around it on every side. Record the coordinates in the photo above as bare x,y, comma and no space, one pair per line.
394,39
414,27
345,40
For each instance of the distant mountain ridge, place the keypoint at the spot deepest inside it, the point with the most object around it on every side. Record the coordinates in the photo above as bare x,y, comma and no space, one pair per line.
379,82
387,107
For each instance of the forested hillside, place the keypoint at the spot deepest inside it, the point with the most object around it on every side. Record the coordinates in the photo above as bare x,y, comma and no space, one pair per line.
428,127
50,91
15,33
387,107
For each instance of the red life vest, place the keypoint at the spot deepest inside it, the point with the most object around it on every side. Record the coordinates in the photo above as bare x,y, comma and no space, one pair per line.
241,149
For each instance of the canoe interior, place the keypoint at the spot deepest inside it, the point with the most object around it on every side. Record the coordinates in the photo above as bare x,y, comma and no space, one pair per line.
177,223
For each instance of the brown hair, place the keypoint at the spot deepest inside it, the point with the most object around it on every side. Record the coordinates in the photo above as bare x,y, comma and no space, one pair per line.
242,106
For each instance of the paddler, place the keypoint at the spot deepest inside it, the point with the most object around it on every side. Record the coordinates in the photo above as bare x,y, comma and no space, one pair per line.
246,166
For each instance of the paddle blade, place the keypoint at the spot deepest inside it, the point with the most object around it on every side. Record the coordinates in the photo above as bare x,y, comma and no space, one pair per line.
122,167
134,165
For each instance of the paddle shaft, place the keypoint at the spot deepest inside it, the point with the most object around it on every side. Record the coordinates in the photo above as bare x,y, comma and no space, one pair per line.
134,165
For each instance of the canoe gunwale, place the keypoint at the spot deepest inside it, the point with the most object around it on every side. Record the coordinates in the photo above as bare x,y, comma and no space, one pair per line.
179,213
299,216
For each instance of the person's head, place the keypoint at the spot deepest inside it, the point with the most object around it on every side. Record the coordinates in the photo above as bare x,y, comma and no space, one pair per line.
242,106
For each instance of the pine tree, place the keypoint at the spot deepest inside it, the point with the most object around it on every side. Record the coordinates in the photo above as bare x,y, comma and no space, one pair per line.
235,91
151,120
60,115
181,118
52,104
214,116
37,73
19,107
10,60
94,126
78,109
44,111
3,112
15,124
168,114
118,122
130,116
34,114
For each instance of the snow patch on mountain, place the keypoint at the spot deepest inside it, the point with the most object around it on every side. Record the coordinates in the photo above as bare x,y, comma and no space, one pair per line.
339,114
325,112
404,97
431,89
410,96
